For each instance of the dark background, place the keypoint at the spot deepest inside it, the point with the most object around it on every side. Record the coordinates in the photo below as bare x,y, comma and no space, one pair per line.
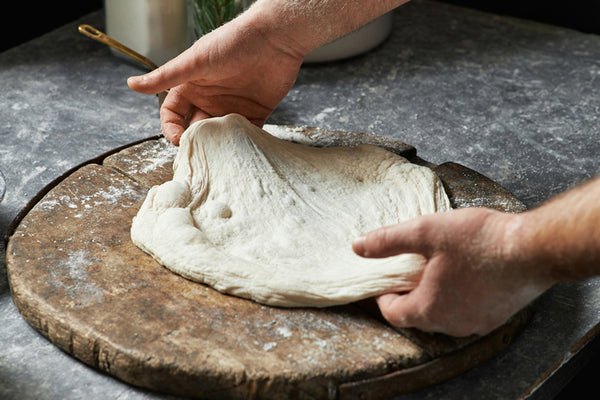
582,15
34,19
27,20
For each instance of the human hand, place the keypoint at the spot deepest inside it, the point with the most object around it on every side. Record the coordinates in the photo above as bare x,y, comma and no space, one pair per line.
237,68
475,276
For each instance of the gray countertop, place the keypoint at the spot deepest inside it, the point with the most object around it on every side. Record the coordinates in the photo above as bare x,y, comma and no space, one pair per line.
515,100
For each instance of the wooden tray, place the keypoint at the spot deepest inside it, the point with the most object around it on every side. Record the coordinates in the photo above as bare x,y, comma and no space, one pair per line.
77,278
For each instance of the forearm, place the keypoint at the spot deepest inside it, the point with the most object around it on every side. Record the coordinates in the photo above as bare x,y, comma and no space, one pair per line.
562,237
308,24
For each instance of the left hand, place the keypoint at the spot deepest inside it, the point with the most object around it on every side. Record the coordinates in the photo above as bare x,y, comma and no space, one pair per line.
237,68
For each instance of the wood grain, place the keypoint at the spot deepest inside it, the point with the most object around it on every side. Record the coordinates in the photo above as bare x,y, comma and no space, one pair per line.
77,278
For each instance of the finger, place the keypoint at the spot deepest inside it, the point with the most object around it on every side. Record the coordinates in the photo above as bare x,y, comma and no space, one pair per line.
398,310
172,132
173,115
173,73
153,82
407,237
177,114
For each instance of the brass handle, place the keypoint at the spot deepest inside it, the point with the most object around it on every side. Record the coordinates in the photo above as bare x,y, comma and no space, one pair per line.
95,34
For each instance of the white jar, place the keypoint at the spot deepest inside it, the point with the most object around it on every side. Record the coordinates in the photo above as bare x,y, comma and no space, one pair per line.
157,29
354,43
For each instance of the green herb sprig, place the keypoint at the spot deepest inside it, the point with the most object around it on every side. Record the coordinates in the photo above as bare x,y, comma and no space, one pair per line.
208,15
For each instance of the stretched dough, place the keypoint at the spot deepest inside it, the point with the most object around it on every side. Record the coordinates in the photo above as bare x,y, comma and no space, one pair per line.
270,220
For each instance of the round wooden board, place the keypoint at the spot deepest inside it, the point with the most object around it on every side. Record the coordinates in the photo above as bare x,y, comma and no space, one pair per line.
78,279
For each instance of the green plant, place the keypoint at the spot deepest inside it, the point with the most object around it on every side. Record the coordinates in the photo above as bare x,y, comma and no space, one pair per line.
207,15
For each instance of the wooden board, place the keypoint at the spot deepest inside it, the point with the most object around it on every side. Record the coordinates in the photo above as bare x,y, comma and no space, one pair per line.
78,279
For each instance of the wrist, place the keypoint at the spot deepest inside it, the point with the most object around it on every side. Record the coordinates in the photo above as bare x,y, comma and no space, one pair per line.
560,243
283,30
522,251
301,26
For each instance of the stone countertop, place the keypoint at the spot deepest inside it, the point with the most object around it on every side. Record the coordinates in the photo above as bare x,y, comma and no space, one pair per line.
515,100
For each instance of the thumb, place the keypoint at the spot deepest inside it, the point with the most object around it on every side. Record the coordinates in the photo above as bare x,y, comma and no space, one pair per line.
407,237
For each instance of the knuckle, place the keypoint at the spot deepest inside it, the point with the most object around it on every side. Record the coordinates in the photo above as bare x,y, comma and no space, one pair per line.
161,72
382,239
394,318
421,229
376,241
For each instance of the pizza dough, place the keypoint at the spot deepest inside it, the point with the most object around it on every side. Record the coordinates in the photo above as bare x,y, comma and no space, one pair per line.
273,221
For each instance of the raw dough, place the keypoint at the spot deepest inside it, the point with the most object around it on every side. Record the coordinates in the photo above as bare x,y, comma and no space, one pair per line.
270,220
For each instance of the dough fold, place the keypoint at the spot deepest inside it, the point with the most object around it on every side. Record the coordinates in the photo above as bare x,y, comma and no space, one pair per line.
273,221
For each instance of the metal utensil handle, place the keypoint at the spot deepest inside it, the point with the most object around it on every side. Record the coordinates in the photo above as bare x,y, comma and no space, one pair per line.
2,186
95,34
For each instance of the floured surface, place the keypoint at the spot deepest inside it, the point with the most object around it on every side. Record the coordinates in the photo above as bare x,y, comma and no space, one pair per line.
78,279
270,220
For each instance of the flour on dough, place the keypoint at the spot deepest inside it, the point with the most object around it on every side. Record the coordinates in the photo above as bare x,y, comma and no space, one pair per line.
273,221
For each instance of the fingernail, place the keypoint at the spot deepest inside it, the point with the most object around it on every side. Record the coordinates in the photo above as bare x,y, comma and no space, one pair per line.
358,244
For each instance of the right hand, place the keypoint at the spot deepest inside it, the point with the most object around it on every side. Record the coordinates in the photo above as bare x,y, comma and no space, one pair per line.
476,275
237,68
